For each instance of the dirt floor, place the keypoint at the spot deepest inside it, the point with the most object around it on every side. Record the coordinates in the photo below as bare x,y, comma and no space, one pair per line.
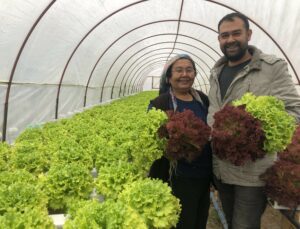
272,219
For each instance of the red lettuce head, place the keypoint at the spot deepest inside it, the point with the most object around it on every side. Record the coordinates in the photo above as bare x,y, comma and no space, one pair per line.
292,152
283,183
237,136
283,178
186,135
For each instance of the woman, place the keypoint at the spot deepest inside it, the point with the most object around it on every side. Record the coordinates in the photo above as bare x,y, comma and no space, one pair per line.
191,182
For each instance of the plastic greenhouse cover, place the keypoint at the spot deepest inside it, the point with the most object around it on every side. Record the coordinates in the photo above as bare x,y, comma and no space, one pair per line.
59,56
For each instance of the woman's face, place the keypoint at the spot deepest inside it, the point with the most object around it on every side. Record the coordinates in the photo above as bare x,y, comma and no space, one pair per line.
182,76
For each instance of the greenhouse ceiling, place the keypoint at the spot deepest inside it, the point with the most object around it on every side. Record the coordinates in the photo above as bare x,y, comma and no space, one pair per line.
61,56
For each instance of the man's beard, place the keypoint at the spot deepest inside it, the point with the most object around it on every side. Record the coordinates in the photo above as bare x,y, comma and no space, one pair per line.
242,49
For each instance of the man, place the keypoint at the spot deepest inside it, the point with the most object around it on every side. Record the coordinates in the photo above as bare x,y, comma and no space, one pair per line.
245,69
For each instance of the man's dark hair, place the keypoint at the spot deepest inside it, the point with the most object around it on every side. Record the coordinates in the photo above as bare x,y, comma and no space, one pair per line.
230,17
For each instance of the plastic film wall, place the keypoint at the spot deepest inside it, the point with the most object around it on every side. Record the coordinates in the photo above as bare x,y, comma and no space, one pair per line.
62,56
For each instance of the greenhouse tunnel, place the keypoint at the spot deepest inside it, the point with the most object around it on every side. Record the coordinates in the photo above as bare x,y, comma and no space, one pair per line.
60,57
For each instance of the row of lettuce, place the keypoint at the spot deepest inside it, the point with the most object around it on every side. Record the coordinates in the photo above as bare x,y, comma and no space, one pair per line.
48,170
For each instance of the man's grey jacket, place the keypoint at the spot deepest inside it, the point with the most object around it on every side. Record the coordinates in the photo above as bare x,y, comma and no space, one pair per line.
264,75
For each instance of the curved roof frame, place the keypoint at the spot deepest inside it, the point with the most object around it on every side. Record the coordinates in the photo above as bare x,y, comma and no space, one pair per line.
128,32
153,45
197,66
124,75
134,74
137,69
154,36
146,70
15,66
165,48
78,45
23,46
142,77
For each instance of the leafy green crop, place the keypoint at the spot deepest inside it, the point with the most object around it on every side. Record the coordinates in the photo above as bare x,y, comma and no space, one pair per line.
153,200
65,182
31,135
5,154
30,218
30,155
19,189
147,146
112,178
17,175
277,124
59,155
90,215
68,151
108,153
109,214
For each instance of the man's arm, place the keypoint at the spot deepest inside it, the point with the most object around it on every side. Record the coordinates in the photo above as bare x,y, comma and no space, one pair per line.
284,89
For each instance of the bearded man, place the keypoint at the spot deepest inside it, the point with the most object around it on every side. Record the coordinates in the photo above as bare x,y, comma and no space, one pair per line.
245,68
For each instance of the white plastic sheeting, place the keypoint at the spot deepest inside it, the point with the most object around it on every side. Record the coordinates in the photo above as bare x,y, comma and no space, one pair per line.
59,56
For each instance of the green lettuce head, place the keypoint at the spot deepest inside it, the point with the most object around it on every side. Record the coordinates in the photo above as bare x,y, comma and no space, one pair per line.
277,124
153,200
111,179
109,214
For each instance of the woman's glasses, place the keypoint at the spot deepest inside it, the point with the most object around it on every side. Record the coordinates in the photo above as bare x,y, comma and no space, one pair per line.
182,70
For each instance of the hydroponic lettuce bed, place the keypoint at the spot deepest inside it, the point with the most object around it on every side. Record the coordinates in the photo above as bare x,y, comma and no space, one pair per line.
48,171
